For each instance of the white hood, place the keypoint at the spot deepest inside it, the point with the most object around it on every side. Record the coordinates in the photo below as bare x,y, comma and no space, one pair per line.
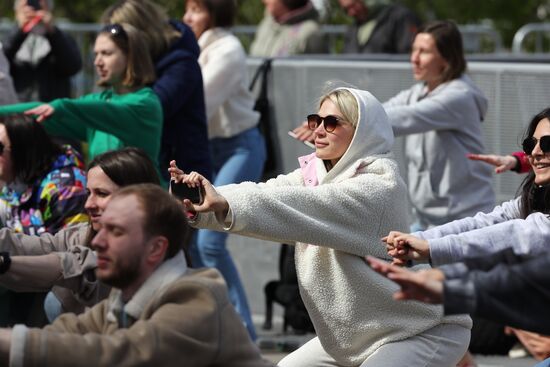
373,133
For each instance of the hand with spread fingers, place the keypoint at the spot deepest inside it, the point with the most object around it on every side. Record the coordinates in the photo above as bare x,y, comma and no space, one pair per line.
41,112
403,247
502,163
304,133
538,345
424,285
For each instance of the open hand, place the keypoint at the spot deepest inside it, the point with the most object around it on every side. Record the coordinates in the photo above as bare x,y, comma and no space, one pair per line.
304,133
424,285
41,112
502,163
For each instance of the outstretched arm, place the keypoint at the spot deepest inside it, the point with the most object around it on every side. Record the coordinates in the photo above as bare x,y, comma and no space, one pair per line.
425,285
502,163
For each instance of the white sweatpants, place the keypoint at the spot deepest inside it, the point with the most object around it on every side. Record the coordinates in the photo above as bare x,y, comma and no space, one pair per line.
441,346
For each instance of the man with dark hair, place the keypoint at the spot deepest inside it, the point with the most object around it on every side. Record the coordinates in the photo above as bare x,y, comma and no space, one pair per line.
159,311
379,29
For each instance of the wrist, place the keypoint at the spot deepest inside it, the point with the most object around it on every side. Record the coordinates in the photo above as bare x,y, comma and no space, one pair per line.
517,165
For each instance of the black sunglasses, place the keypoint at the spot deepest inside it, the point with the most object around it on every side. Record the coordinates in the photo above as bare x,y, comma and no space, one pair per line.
1,148
530,143
329,122
115,30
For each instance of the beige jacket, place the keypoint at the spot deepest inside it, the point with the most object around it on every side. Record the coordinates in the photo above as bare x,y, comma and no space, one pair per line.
73,282
179,317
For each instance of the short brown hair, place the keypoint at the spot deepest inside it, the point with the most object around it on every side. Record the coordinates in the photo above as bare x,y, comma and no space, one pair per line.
148,17
448,41
163,214
139,69
222,12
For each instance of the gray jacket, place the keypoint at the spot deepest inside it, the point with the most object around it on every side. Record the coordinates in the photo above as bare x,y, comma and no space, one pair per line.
442,127
7,91
488,233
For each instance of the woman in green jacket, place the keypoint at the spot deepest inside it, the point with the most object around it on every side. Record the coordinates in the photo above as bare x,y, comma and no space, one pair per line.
126,113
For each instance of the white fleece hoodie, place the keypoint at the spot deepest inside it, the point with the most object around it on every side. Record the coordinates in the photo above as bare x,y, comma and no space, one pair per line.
334,225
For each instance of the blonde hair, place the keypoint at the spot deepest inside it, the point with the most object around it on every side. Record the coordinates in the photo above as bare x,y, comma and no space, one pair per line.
346,103
139,67
149,18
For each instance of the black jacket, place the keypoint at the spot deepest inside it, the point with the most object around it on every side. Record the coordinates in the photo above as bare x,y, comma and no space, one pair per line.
179,87
393,33
52,75
504,287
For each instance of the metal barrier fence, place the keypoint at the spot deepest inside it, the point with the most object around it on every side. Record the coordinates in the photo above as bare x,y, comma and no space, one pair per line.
536,34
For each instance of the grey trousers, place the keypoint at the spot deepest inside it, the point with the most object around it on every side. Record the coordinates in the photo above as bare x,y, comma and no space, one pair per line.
441,346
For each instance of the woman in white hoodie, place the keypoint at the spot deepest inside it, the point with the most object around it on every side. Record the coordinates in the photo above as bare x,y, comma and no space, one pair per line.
335,208
236,145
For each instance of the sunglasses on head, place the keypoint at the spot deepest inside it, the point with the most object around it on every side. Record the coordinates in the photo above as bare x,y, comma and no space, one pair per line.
115,30
329,122
530,143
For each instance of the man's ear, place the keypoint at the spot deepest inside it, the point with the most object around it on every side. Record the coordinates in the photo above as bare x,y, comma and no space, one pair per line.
158,246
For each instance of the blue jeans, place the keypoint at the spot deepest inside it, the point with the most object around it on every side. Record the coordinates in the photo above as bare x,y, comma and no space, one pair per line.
236,159
52,307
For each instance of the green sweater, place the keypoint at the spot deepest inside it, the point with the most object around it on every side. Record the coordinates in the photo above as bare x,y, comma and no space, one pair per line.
106,120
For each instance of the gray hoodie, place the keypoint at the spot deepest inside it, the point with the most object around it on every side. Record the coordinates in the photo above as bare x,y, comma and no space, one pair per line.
442,127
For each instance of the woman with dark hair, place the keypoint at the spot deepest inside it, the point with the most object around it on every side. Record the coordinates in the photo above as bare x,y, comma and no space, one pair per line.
522,224
65,261
179,86
440,119
126,113
45,183
44,192
236,145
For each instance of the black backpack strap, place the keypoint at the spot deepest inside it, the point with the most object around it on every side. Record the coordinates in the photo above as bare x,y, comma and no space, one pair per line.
263,71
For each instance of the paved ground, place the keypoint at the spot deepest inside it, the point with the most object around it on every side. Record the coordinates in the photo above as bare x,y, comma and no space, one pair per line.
275,345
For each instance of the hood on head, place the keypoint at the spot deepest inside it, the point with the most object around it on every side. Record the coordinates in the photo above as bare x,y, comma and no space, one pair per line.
373,133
